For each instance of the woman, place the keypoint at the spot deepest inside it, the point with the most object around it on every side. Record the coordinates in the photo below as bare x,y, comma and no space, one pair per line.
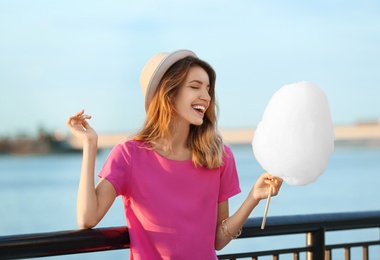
175,175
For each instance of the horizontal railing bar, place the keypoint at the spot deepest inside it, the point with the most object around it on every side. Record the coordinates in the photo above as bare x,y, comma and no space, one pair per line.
64,242
100,239
355,244
266,253
286,225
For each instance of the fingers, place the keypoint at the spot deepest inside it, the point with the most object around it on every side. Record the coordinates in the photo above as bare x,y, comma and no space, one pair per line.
78,119
274,182
79,113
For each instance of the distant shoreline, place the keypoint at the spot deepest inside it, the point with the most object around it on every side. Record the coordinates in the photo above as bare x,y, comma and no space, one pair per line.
360,134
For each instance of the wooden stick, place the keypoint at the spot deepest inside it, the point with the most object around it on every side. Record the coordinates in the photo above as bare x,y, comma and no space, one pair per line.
266,208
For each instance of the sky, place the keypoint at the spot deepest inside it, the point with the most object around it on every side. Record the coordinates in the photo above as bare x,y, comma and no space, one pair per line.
57,57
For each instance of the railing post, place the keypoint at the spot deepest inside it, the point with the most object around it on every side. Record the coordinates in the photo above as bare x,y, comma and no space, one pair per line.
328,254
365,252
316,239
347,253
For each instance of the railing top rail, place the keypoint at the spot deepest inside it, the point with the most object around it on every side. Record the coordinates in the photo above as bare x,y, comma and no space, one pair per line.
63,242
99,239
279,225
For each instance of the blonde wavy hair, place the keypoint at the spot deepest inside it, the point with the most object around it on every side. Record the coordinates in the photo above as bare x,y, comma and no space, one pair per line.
204,141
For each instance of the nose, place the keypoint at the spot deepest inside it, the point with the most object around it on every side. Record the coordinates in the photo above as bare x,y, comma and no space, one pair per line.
205,95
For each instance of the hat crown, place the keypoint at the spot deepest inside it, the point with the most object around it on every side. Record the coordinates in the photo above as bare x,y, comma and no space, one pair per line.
155,69
149,70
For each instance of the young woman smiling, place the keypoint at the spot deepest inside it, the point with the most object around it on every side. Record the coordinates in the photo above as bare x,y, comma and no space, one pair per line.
175,175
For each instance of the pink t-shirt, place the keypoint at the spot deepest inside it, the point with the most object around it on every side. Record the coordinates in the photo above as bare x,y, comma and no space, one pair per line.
170,206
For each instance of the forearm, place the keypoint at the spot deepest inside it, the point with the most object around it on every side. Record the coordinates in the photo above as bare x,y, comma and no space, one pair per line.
87,203
264,185
232,225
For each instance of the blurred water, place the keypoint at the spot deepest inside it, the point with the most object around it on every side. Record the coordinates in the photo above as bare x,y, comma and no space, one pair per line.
38,194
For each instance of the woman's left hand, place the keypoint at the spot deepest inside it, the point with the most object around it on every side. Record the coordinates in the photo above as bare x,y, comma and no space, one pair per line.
80,128
265,184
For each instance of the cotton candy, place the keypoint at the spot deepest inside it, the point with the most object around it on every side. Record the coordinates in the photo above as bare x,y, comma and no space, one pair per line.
295,137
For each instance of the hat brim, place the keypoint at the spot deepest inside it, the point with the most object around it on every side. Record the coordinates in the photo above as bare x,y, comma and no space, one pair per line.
160,70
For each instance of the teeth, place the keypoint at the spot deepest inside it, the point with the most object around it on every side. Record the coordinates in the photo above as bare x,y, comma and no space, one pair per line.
199,108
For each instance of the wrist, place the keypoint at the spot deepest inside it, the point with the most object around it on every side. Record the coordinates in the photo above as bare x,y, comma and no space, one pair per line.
255,200
227,233
90,143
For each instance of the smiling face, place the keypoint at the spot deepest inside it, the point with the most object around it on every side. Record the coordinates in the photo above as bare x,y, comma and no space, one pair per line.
184,102
193,98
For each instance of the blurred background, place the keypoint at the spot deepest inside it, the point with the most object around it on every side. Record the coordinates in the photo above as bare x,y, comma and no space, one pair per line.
57,57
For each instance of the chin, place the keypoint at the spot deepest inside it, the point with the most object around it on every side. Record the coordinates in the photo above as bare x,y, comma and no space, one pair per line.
199,123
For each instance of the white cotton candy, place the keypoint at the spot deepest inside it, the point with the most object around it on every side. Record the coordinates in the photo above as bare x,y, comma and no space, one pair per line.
296,137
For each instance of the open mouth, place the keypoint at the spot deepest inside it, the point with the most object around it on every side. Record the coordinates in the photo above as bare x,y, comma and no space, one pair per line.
199,108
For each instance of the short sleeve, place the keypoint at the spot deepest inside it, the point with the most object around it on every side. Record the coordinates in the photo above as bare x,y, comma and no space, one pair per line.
229,180
116,168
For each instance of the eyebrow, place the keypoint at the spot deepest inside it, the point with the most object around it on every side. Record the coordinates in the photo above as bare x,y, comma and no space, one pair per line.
197,81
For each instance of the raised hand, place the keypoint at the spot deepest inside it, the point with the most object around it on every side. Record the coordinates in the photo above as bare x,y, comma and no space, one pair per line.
80,128
265,184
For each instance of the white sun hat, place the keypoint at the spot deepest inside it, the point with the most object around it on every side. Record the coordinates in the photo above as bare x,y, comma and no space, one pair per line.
155,69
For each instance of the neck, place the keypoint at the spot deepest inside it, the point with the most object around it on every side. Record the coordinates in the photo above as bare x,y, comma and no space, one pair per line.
175,148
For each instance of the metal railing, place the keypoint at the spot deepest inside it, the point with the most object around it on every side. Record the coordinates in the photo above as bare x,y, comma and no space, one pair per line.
313,226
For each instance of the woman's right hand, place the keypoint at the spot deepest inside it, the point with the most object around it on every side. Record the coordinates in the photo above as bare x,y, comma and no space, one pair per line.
80,128
266,183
